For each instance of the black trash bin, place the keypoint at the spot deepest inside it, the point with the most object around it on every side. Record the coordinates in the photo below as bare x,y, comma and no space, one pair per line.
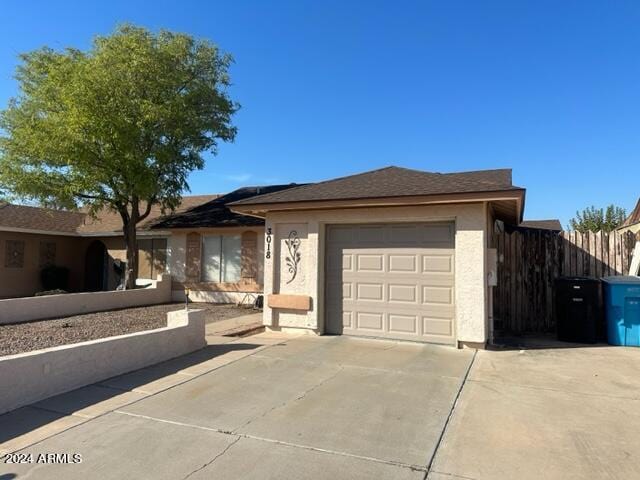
579,309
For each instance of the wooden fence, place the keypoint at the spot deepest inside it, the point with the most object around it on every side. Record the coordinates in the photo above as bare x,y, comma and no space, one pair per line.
529,261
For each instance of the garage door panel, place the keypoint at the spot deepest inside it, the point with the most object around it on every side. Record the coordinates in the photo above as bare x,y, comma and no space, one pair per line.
437,295
396,281
437,326
432,263
402,263
370,292
372,321
370,262
402,293
370,234
347,291
404,324
406,235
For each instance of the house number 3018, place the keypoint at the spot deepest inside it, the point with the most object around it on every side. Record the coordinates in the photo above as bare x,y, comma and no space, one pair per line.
267,254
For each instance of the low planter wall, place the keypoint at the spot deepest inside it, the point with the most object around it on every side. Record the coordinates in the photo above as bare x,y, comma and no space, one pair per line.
16,310
29,377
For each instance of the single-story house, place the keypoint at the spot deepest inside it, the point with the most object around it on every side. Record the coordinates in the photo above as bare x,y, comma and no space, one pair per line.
392,253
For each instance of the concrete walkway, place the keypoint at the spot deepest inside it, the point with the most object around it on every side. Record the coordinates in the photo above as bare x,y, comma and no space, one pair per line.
277,407
557,413
245,324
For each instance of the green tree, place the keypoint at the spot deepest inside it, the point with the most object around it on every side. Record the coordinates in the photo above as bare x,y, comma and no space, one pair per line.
119,126
594,219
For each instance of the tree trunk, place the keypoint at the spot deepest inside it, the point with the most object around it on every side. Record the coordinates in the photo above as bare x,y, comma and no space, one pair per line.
131,242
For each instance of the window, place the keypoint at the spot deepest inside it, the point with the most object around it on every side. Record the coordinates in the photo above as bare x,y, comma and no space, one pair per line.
221,258
47,253
152,257
14,254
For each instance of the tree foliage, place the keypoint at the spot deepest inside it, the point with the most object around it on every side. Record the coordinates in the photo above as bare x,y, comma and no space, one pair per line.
594,219
119,126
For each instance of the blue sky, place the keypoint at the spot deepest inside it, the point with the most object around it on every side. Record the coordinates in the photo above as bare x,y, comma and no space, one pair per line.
329,88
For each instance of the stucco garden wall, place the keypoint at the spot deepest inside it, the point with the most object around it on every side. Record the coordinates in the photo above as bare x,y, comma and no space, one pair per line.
29,377
470,279
15,310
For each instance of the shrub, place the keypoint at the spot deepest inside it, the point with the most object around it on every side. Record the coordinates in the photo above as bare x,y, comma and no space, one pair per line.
54,278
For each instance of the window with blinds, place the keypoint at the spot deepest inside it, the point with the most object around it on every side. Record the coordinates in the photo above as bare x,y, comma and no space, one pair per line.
221,258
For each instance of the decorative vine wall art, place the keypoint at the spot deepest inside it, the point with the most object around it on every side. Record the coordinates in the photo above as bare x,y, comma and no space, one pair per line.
293,258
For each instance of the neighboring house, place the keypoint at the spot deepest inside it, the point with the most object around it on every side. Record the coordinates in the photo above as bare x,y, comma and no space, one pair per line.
632,223
553,225
32,238
392,253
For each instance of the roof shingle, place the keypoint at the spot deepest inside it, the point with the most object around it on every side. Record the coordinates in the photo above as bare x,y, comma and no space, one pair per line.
41,219
551,224
216,214
79,222
391,182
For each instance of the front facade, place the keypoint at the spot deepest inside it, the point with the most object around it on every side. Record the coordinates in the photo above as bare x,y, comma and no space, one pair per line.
393,253
412,267
214,253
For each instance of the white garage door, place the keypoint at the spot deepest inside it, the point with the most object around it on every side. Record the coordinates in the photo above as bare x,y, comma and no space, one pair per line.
391,280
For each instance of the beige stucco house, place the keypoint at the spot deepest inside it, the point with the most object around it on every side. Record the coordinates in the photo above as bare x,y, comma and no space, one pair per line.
392,253
32,238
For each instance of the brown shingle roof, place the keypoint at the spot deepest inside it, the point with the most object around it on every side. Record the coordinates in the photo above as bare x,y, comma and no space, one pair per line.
43,219
391,182
552,224
79,223
216,213
110,222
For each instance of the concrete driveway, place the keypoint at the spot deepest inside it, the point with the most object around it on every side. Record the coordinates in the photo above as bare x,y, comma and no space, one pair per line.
269,406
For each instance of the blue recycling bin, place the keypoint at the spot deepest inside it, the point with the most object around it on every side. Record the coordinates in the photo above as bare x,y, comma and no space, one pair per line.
622,310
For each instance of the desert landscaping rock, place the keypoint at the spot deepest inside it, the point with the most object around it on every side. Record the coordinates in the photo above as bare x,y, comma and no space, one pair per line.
25,337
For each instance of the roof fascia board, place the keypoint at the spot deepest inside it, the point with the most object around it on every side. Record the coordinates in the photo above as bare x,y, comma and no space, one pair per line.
257,209
38,232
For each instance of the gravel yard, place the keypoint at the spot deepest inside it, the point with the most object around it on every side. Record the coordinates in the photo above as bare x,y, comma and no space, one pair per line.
24,337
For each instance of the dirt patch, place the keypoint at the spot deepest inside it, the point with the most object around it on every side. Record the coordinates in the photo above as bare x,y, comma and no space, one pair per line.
25,337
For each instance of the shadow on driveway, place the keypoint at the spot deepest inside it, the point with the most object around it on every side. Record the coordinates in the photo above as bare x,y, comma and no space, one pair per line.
37,416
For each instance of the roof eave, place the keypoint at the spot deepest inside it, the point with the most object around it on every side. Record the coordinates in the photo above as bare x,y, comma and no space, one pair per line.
261,209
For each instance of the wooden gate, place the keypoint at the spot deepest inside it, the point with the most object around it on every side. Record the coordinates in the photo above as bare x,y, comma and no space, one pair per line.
529,261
